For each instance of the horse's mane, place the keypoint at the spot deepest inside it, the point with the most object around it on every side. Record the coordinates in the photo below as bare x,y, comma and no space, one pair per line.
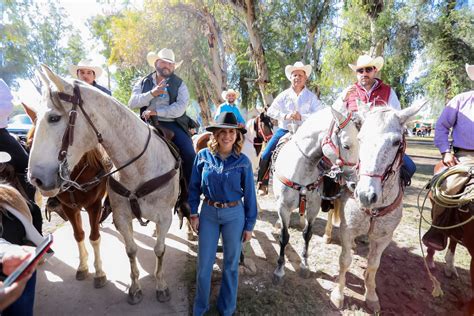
96,158
9,196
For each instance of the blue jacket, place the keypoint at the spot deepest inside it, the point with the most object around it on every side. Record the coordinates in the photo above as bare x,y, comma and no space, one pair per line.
225,107
224,181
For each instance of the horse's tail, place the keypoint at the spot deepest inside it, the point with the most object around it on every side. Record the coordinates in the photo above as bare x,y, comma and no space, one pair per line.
336,217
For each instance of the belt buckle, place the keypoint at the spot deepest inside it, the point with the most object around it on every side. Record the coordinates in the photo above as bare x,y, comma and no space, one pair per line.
219,204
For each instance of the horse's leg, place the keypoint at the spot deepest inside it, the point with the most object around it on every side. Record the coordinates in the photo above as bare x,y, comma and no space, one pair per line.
74,216
307,234
95,214
124,226
345,259
430,258
449,268
279,272
162,290
327,237
376,249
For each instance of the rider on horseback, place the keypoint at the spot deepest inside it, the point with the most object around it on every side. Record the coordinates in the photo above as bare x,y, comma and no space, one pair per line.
290,107
458,115
231,97
163,97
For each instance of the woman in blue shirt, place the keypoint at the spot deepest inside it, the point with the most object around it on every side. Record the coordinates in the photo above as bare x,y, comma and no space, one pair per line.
224,176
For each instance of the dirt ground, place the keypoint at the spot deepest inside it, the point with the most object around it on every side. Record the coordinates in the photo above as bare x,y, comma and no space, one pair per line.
403,285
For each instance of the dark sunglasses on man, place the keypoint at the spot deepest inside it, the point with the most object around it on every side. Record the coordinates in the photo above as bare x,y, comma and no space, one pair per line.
366,69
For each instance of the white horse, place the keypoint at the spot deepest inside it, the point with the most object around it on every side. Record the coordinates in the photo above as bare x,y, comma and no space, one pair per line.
124,136
297,175
376,209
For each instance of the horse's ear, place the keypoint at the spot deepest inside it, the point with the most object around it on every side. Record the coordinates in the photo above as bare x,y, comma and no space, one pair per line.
357,119
58,82
30,112
338,116
44,80
406,114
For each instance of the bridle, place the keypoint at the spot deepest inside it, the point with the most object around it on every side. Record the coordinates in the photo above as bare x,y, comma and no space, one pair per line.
68,140
393,167
335,167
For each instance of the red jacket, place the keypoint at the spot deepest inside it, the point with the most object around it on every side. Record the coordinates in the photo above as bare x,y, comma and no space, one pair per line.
379,96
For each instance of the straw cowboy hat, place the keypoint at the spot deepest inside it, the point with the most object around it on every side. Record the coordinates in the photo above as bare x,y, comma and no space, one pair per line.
4,157
367,61
470,71
166,54
298,66
230,91
85,64
226,120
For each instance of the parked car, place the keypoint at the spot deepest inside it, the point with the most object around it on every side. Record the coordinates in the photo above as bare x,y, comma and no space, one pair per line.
19,125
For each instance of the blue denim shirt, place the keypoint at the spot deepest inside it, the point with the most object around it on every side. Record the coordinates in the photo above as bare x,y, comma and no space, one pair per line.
226,107
224,181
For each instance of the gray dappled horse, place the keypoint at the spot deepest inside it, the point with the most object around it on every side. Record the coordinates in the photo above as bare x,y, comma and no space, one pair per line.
376,208
73,119
297,173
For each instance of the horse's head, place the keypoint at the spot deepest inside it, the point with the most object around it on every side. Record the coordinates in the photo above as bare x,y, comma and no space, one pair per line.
56,131
381,149
264,126
341,148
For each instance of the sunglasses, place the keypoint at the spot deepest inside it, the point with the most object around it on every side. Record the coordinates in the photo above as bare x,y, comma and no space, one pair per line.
366,69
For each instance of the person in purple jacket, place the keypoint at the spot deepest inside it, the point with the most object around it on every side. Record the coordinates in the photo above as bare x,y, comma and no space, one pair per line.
458,116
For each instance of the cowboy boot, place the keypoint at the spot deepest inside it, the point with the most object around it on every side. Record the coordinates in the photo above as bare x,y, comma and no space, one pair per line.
263,177
435,238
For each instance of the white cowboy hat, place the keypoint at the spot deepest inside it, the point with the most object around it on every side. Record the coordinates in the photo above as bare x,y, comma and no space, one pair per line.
85,64
367,61
5,157
165,54
470,71
230,91
298,66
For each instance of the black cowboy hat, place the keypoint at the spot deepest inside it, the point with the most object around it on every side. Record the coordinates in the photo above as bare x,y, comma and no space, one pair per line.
226,120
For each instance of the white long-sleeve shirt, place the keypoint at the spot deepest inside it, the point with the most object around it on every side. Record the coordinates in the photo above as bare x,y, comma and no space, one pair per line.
6,105
164,110
306,103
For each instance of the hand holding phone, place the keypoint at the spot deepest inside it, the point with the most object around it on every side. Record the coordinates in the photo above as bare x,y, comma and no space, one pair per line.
30,263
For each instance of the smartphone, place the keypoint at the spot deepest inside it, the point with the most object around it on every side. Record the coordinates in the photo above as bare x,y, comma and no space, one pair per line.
23,268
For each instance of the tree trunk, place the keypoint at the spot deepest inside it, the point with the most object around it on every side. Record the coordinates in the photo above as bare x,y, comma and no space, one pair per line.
315,22
247,9
203,100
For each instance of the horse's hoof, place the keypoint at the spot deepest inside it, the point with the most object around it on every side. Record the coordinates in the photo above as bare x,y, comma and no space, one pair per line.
305,273
374,306
100,281
135,298
451,272
82,275
336,299
327,239
276,279
163,296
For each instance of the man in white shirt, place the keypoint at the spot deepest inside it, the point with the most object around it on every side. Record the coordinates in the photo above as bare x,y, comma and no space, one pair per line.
291,108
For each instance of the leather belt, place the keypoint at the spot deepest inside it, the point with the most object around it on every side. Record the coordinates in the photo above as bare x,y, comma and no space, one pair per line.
221,204
457,149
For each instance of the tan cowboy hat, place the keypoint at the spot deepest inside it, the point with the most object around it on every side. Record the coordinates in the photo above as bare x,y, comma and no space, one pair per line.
165,54
5,157
470,71
367,61
85,64
298,66
230,91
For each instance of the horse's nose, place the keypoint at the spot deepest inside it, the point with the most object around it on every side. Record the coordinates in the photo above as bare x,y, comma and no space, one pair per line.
36,182
367,198
351,186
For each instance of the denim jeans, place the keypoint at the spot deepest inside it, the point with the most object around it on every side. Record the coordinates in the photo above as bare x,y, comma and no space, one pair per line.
185,145
267,153
212,222
24,304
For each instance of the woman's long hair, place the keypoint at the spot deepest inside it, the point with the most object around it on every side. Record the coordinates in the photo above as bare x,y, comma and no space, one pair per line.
213,145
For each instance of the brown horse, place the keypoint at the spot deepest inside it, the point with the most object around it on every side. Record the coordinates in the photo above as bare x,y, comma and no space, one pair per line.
463,235
91,165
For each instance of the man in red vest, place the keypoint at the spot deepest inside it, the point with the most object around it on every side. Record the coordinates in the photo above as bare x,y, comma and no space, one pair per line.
367,89
371,91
